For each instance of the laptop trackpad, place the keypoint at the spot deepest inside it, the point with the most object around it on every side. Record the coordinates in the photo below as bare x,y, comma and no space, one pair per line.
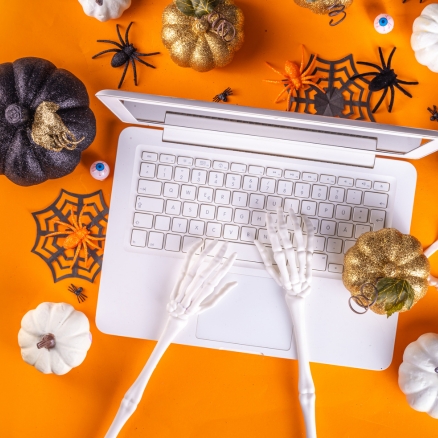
253,313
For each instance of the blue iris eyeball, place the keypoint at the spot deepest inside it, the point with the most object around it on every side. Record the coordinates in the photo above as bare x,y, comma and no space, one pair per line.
384,23
99,170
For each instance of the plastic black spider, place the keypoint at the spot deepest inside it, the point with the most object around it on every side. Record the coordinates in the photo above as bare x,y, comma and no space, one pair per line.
384,79
223,96
125,54
78,291
434,113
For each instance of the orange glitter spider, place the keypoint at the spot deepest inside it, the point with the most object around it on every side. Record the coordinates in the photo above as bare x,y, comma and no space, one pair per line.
78,235
295,78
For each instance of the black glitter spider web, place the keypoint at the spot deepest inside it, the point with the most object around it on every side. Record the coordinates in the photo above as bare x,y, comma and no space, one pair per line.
50,249
345,98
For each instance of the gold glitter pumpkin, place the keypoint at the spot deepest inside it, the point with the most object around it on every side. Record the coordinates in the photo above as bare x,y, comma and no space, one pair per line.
386,253
322,6
193,43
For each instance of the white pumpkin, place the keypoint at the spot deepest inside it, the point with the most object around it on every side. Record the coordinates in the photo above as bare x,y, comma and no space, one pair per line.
105,10
54,338
424,40
418,374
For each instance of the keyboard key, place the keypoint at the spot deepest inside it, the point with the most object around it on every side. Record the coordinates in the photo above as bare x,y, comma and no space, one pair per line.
199,176
153,205
179,225
173,207
240,199
171,190
248,234
284,188
258,218
222,197
162,223
328,228
241,216
348,244
382,186
319,243
337,269
149,156
250,183
164,172
189,242
346,182
377,218
327,179
205,194
138,238
361,229
313,221
237,167
224,214
319,192
231,232
343,212
216,179
307,176
188,192
196,228
379,200
263,236
257,201
334,245
142,220
363,184
267,185
291,203
345,229
360,214
182,174
148,187
290,225
273,203
256,170
155,240
220,165
147,170
308,208
292,174
354,197
190,209
270,171
319,262
186,161
173,242
170,159
233,181
336,194
213,229
302,190
325,210
207,212
200,162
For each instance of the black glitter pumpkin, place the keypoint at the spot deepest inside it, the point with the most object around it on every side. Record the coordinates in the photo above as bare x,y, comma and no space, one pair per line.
28,85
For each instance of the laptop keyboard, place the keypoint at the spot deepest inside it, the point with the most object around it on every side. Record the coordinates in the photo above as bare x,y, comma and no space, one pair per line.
187,196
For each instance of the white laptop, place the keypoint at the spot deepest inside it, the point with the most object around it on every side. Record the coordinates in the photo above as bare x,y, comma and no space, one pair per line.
214,171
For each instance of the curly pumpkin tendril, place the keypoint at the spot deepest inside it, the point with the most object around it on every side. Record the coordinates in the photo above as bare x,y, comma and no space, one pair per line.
221,26
49,131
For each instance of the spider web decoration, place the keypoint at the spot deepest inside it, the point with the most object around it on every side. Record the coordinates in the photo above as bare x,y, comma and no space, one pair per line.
344,98
50,249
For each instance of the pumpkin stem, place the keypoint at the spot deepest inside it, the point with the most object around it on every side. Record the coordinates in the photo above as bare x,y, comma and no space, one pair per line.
48,342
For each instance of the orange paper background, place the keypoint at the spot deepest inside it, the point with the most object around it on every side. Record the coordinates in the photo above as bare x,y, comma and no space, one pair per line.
196,392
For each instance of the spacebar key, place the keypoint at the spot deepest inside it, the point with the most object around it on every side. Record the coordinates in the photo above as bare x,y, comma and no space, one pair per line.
245,252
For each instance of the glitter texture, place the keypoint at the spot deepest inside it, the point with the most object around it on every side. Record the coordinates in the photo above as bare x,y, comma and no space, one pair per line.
386,253
322,6
192,43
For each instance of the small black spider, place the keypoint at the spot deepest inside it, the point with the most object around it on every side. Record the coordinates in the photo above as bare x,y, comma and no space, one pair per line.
384,79
125,54
78,291
434,113
223,97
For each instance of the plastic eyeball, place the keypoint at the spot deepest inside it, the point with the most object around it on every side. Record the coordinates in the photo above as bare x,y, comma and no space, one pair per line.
100,170
384,23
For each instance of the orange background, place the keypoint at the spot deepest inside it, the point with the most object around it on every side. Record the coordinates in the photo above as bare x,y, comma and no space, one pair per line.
196,392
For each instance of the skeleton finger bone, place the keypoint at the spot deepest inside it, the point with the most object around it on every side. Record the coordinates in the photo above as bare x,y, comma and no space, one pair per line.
301,250
214,298
264,254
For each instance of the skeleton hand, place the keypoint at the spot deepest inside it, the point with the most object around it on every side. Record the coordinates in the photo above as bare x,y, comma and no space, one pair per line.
194,293
296,282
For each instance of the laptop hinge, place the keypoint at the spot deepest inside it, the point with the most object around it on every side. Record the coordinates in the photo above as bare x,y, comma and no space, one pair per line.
265,145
